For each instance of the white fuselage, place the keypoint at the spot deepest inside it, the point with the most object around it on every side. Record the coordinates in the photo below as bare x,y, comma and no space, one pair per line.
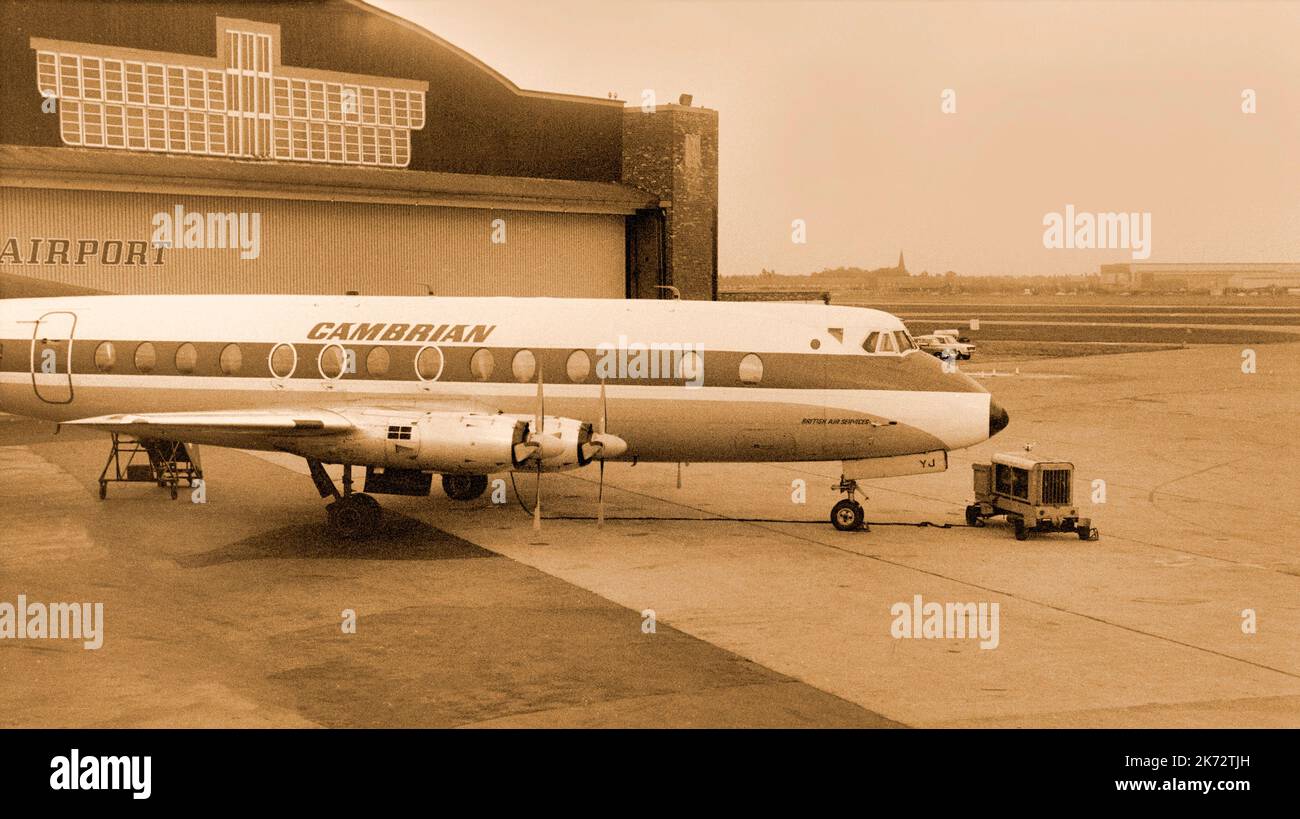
772,382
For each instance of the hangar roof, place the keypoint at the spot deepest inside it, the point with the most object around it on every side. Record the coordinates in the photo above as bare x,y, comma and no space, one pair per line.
100,169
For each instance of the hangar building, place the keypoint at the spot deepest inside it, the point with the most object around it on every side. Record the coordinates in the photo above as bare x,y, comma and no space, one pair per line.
328,147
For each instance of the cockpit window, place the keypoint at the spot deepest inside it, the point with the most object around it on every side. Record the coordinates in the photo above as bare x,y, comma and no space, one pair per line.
881,342
904,341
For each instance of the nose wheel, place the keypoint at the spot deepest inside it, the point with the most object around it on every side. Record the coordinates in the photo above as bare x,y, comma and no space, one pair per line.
847,515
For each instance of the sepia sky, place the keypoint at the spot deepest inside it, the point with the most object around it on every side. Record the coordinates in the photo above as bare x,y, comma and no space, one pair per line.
830,112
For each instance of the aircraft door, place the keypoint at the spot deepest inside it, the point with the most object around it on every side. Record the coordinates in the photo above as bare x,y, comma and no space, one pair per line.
52,357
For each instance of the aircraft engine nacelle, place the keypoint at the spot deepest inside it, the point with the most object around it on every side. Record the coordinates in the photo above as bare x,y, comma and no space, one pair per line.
464,443
564,443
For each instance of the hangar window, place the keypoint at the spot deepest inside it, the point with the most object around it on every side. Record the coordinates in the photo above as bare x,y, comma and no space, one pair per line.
751,369
578,367
377,362
146,358
331,360
524,366
481,364
284,360
428,364
187,358
232,359
105,357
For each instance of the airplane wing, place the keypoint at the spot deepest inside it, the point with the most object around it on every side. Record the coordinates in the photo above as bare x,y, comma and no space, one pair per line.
182,425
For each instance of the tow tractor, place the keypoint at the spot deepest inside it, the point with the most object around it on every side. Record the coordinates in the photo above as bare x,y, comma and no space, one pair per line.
1036,495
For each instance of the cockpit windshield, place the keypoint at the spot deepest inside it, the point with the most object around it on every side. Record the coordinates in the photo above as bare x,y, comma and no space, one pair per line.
887,342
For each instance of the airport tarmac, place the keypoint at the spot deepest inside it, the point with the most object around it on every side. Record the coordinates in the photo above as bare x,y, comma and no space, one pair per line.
229,612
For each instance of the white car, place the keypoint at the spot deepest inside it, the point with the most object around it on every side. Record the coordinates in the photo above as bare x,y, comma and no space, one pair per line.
942,344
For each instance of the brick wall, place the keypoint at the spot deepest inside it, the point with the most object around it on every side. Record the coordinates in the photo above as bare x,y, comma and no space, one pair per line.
673,153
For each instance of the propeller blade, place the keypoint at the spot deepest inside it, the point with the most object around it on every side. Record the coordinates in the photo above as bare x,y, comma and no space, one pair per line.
537,501
600,496
540,416
604,408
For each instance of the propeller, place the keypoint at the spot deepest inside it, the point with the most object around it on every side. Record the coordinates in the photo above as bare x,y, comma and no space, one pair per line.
603,446
539,421
600,430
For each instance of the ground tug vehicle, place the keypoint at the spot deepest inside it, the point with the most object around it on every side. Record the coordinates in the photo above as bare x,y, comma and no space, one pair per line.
1036,495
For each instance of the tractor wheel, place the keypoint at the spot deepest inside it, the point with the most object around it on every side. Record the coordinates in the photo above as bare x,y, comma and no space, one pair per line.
1021,532
973,516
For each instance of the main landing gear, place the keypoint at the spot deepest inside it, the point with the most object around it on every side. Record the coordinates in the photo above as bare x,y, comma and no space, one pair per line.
464,487
352,514
847,515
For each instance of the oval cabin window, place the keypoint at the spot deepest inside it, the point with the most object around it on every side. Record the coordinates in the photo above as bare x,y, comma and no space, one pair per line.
284,360
146,358
751,369
232,359
428,364
578,367
377,362
105,357
481,364
187,358
524,366
331,361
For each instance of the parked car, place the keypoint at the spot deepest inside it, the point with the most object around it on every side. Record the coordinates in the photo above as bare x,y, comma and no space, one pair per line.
941,344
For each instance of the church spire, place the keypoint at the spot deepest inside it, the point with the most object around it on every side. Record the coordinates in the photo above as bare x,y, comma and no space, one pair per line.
902,268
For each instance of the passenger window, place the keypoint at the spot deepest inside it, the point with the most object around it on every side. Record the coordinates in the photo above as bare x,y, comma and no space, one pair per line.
187,358
378,361
751,369
578,366
524,366
331,361
428,364
232,359
105,357
146,358
481,364
284,360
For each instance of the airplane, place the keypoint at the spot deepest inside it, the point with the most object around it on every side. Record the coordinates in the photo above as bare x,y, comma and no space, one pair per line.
409,387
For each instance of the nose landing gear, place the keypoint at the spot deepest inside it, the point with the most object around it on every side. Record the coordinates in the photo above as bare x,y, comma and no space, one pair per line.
847,515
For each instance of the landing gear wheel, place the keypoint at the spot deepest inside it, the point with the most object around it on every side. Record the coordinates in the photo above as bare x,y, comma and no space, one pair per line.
973,516
847,515
464,487
354,516
1021,532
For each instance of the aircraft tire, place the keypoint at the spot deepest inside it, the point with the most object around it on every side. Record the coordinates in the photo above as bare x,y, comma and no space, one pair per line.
847,515
464,487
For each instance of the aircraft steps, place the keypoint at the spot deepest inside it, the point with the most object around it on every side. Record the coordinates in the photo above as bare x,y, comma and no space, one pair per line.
146,460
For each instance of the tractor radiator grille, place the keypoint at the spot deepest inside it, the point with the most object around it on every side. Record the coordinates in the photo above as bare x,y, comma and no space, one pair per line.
1056,486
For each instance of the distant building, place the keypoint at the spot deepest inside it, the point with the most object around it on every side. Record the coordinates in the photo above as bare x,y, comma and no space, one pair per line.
1214,277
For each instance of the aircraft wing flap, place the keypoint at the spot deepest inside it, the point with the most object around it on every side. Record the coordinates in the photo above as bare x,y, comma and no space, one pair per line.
173,424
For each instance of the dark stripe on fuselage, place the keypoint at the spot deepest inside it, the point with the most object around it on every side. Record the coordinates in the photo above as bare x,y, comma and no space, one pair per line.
913,371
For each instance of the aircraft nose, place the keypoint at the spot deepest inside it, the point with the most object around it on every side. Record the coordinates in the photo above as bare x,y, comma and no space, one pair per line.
998,418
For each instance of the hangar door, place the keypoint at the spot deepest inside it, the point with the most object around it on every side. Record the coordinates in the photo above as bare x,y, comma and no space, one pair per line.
314,247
